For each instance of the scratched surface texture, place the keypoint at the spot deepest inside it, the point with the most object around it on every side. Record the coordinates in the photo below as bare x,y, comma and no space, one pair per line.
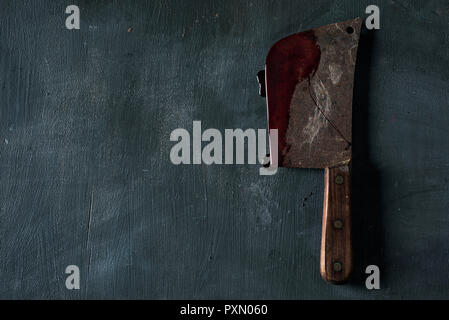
86,179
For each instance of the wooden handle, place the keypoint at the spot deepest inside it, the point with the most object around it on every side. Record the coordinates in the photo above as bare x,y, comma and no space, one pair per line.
336,253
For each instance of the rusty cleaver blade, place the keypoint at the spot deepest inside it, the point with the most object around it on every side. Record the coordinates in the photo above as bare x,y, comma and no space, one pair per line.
308,85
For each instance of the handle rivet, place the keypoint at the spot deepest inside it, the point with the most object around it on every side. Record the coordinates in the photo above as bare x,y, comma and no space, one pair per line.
338,224
339,179
337,266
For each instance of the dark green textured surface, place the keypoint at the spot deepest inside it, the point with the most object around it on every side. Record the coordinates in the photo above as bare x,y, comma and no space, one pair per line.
86,179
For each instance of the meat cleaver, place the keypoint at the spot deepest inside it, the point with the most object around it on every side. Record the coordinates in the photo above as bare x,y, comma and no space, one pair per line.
308,85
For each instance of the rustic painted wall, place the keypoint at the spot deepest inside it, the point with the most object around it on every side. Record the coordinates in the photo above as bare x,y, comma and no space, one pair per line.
86,179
